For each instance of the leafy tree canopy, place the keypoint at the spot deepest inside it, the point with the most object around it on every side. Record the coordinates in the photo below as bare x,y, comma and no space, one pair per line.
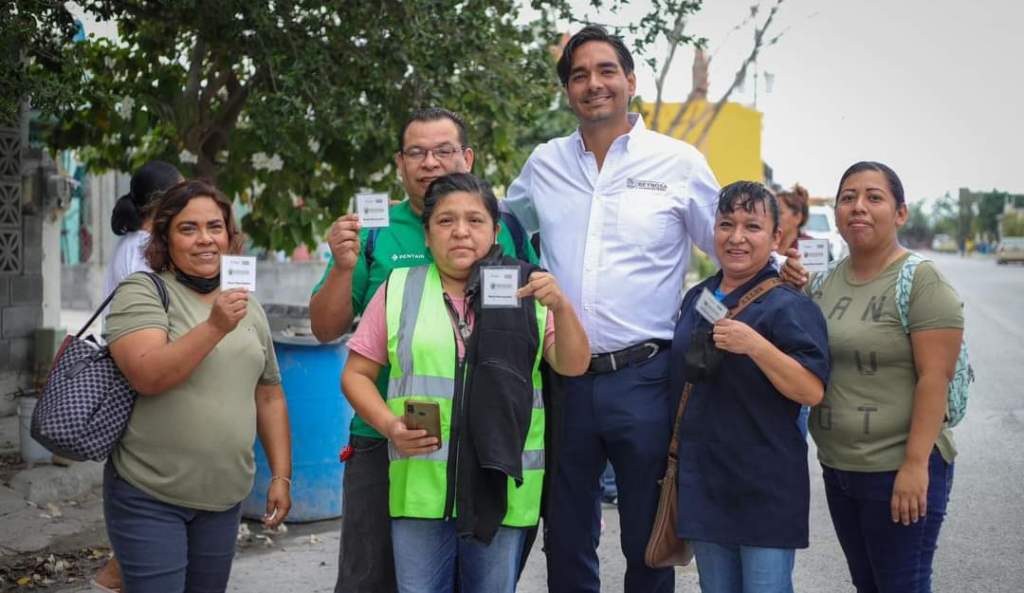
295,105
33,32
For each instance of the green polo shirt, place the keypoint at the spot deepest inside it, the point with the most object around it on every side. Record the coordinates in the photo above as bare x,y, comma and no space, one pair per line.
399,245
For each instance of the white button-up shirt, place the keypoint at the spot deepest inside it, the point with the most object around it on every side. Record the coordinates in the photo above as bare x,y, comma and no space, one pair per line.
618,239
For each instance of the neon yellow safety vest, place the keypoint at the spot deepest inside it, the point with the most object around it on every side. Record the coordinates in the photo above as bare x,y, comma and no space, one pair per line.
424,367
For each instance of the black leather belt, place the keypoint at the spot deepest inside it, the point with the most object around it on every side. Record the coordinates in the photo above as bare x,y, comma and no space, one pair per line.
613,361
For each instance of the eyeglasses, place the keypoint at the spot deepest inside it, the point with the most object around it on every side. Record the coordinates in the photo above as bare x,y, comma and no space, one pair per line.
445,152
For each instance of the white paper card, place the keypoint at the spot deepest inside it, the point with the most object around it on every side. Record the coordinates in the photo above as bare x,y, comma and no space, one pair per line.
814,254
499,285
373,210
238,271
710,308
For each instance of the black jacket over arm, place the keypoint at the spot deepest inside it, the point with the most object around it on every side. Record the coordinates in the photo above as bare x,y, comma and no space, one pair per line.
498,404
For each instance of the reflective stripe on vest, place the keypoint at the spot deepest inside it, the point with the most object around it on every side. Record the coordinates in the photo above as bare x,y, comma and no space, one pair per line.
439,385
532,459
422,356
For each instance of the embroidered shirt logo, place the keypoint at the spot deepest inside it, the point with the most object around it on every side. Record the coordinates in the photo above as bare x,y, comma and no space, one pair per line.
646,185
406,256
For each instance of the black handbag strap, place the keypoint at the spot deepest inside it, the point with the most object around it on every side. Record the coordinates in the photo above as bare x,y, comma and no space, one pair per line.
161,290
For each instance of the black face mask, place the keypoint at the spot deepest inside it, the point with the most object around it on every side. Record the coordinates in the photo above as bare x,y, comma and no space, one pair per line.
702,357
200,285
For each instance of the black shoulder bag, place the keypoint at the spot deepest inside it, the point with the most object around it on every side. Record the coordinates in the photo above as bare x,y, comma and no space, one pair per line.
86,402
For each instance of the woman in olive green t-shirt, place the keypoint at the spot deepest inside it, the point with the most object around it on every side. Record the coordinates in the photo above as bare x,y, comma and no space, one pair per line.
886,453
208,382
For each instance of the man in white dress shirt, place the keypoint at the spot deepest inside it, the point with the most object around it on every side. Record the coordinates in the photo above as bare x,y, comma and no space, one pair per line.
617,206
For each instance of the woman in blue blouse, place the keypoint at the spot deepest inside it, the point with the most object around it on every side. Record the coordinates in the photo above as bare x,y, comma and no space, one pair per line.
743,483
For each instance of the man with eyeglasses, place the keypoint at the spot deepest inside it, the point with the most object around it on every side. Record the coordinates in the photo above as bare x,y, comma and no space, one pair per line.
432,143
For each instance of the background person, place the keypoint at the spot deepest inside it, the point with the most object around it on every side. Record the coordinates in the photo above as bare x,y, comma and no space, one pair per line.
793,212
132,220
886,453
432,143
744,493
482,367
617,207
208,383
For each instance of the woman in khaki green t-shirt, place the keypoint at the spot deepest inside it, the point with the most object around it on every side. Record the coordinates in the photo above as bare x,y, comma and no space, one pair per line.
208,382
886,453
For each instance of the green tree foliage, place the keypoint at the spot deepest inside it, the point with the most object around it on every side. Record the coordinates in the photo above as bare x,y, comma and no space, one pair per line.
945,216
33,35
974,215
1013,225
990,208
299,103
917,232
295,105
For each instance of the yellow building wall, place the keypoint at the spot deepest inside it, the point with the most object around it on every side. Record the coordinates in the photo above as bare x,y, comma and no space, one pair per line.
733,145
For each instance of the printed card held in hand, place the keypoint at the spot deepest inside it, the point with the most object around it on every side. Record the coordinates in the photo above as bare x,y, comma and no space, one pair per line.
499,285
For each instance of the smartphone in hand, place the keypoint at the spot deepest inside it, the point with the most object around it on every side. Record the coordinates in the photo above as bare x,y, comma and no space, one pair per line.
423,416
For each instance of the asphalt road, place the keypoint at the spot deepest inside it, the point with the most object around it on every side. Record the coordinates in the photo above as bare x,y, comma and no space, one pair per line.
981,547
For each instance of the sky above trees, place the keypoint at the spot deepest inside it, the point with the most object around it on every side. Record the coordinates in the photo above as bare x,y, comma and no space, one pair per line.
931,87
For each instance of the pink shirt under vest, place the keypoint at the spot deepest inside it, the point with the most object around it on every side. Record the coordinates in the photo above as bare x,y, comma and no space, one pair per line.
371,337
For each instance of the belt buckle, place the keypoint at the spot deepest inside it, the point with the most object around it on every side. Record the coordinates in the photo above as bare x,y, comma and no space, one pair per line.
598,358
628,355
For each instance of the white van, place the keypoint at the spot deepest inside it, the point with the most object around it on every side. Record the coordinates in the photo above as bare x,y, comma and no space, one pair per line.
821,224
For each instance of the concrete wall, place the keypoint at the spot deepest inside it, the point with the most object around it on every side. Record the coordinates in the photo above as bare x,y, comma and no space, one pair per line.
21,279
287,283
82,285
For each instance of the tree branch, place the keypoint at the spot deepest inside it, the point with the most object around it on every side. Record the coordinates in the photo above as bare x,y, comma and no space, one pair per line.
215,134
673,39
195,69
214,83
741,74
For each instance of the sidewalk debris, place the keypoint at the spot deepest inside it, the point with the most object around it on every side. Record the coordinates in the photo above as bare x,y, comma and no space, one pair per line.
33,572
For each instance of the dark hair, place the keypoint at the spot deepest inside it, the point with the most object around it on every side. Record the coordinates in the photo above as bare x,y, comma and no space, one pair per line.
747,195
434,114
797,200
586,35
453,182
132,209
174,200
895,185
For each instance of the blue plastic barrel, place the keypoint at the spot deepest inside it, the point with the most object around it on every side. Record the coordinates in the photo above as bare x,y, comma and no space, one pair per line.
319,417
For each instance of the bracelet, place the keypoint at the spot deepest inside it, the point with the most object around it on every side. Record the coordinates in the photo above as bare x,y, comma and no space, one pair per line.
286,479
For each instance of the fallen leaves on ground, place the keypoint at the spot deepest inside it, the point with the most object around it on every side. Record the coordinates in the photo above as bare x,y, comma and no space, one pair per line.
36,572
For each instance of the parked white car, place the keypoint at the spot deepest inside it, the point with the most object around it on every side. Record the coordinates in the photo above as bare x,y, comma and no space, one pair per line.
821,224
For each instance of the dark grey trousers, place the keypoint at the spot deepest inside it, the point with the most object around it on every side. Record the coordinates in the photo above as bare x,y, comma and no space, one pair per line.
366,563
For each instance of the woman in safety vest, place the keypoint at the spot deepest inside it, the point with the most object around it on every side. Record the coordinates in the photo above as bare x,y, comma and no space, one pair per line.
461,342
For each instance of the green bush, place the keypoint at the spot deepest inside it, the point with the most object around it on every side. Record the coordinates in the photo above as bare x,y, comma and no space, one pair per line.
702,264
1013,225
